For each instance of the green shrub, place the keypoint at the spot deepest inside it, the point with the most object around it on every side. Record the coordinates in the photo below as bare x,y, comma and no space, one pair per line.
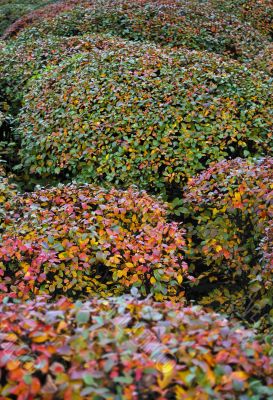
7,191
11,10
27,56
264,60
266,249
86,240
129,349
258,13
136,114
171,23
229,207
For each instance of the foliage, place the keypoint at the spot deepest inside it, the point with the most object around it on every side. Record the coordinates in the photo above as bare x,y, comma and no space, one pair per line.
86,240
267,248
229,207
167,22
10,10
264,60
27,55
7,191
127,113
258,13
129,349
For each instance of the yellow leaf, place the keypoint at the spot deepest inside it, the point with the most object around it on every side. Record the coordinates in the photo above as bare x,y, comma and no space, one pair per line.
40,339
153,280
239,375
179,279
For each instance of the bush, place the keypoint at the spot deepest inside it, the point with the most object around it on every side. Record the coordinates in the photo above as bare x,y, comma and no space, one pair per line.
267,249
258,13
264,60
7,191
10,10
86,240
171,23
30,53
229,207
128,349
131,113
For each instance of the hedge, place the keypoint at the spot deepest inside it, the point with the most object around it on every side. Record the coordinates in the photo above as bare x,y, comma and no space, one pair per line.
136,114
129,349
264,60
258,13
167,22
11,10
229,207
27,55
7,191
85,240
266,248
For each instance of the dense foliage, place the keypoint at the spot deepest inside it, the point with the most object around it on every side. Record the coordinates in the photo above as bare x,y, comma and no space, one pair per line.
130,349
168,22
264,60
7,191
171,96
86,240
128,113
230,206
11,10
258,13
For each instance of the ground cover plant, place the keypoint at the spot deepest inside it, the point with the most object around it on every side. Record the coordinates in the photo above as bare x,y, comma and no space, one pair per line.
136,200
131,349
85,240
136,114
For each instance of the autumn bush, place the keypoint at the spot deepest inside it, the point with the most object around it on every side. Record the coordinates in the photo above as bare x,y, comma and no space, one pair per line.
266,248
129,348
257,13
229,207
264,60
172,23
30,53
7,191
85,240
132,113
11,10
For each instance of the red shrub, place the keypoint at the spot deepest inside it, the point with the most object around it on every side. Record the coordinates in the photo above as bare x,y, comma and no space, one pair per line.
82,240
129,349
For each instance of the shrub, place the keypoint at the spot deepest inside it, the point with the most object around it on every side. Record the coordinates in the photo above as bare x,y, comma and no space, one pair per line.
258,13
131,113
229,207
267,249
7,191
129,349
172,23
86,240
27,55
10,10
264,60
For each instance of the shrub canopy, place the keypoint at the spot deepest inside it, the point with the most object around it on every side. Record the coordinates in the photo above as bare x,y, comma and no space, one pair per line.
229,207
127,113
86,240
11,10
167,22
129,348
